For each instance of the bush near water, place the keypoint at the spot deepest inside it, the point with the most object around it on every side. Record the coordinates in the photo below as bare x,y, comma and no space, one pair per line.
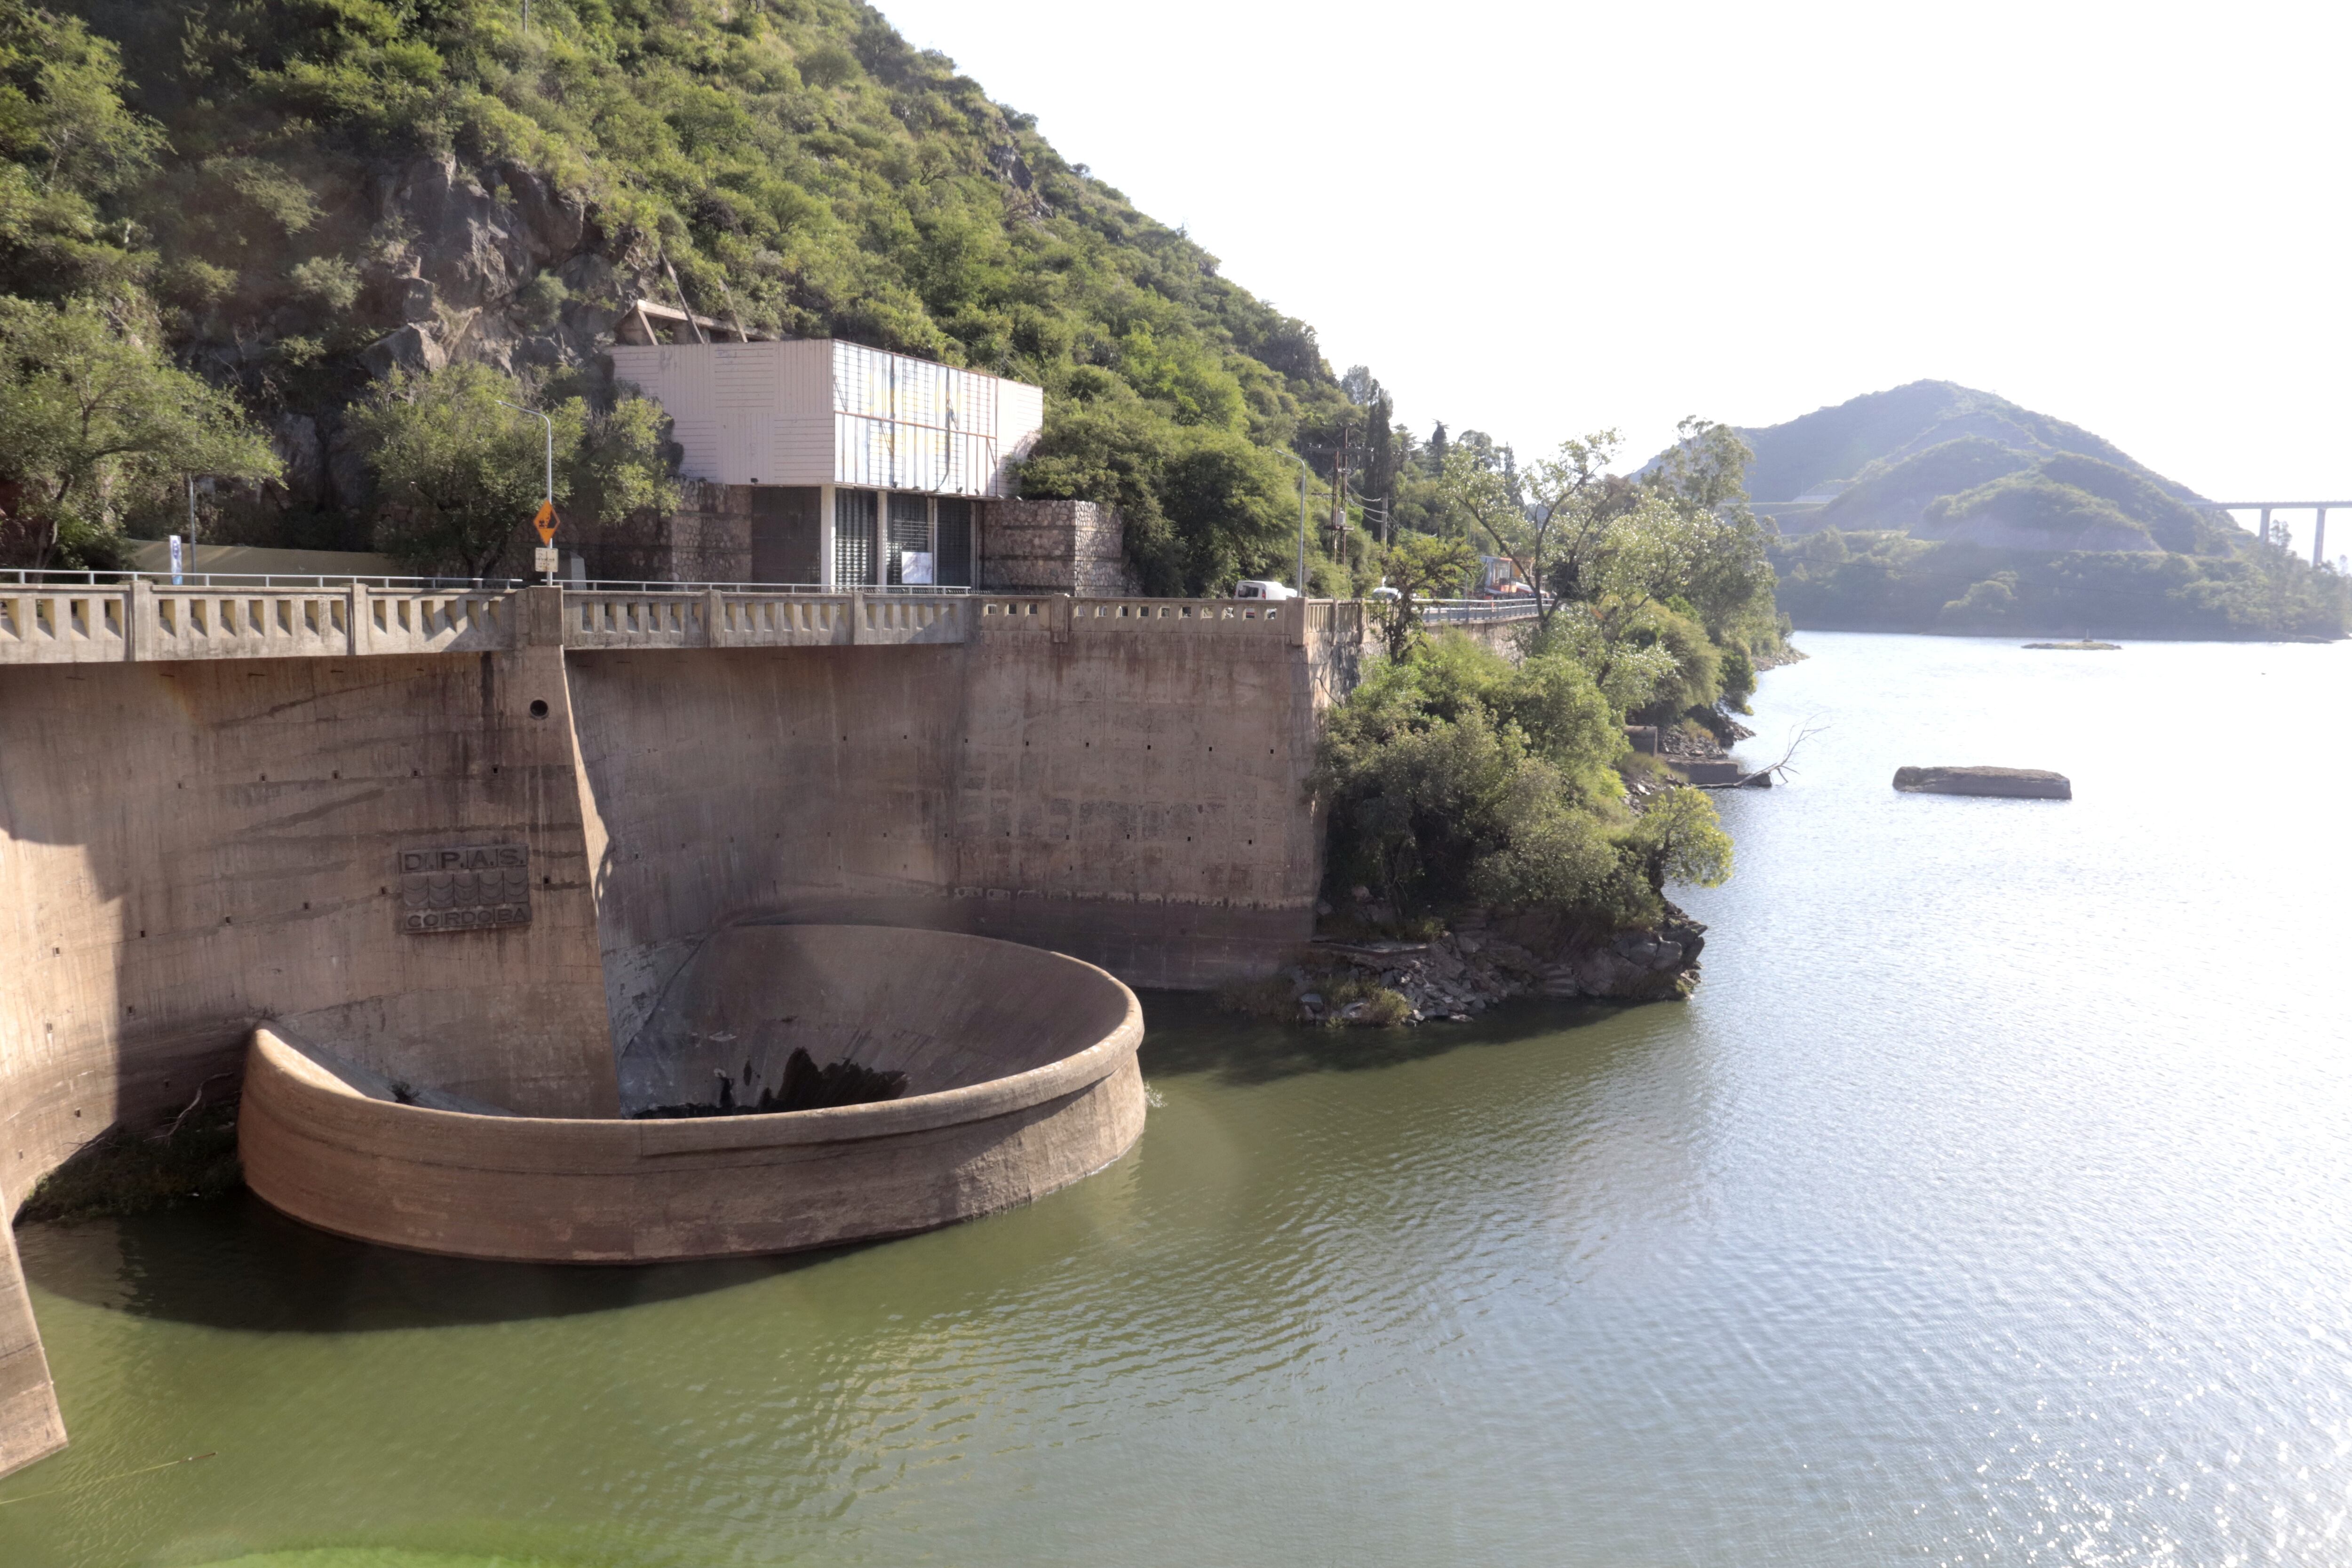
1455,778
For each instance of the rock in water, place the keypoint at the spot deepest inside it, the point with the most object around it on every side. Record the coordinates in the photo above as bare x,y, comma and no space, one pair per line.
2023,784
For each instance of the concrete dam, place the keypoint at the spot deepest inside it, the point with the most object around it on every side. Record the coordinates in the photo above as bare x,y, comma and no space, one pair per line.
496,839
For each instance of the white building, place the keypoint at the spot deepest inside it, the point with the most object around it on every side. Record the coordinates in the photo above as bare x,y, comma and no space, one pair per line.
863,467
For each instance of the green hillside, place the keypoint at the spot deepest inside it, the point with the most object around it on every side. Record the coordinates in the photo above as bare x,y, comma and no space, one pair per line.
1935,507
1887,581
1835,450
306,195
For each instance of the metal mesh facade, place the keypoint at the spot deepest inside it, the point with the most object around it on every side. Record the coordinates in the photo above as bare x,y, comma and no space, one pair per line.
854,516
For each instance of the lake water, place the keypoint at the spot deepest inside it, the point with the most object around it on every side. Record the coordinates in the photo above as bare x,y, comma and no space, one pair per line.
1990,1204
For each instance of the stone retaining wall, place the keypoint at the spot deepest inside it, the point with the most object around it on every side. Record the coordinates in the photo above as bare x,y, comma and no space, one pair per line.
708,539
1055,547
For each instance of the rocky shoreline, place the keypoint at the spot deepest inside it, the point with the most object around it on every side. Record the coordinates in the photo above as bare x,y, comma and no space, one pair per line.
1355,975
1485,959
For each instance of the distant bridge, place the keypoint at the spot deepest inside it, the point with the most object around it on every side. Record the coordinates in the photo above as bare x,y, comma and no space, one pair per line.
2318,509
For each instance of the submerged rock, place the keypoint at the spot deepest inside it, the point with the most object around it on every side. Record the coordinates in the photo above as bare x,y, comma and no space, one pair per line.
2019,784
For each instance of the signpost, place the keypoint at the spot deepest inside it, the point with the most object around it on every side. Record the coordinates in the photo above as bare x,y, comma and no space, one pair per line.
543,560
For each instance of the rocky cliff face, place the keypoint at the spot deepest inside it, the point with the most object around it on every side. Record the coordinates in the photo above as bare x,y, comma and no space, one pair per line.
494,265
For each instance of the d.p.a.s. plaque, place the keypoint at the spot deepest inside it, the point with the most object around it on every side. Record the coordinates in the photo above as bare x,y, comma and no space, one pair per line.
472,887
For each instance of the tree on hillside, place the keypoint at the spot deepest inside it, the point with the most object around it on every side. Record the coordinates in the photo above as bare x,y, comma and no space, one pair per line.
1723,572
1480,497
1378,449
1420,569
620,467
1203,506
93,422
1554,526
460,473
67,140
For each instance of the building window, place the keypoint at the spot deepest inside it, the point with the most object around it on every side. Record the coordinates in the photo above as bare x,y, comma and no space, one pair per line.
786,543
910,536
855,513
952,566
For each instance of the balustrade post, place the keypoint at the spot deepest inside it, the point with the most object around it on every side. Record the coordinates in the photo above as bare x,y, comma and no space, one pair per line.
138,619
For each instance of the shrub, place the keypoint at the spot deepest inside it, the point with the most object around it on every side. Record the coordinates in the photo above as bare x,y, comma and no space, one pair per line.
1454,778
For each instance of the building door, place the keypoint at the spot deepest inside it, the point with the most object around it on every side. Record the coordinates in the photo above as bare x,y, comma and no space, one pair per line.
952,565
784,534
854,516
911,539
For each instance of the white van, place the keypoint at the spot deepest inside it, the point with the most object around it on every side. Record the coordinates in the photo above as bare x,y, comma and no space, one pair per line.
1263,588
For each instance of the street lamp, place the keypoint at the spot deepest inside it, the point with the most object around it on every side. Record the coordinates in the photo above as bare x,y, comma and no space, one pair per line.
1304,474
547,508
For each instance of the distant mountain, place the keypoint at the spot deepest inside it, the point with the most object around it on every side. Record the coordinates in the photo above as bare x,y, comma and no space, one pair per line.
1937,461
1938,508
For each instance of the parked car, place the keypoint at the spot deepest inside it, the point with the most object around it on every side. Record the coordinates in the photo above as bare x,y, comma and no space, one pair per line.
1263,588
1385,592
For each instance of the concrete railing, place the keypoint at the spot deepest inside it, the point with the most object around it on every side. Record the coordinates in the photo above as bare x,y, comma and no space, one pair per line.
1061,617
655,619
139,620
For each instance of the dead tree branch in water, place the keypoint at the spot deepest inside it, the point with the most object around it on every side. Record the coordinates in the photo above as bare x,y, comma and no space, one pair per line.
1772,771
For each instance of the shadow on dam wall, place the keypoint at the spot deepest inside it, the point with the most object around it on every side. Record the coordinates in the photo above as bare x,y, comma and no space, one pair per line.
191,846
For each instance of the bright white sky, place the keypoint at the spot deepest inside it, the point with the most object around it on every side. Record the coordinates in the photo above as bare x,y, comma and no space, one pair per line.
1541,219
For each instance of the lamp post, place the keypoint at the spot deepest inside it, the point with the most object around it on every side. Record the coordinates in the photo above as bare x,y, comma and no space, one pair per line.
1303,473
546,509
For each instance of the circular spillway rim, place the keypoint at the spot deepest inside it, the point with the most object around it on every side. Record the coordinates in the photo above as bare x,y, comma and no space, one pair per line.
280,1048
327,1142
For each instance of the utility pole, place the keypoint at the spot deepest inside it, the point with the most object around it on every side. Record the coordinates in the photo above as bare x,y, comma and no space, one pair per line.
1302,525
1339,502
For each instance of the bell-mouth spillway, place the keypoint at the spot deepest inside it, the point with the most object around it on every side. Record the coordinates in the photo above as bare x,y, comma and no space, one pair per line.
1020,1077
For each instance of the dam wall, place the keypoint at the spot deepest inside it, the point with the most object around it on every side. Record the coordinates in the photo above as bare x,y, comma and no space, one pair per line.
221,807
1132,795
188,847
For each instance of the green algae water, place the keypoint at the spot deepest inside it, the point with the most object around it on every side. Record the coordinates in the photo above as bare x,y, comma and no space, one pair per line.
1990,1204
